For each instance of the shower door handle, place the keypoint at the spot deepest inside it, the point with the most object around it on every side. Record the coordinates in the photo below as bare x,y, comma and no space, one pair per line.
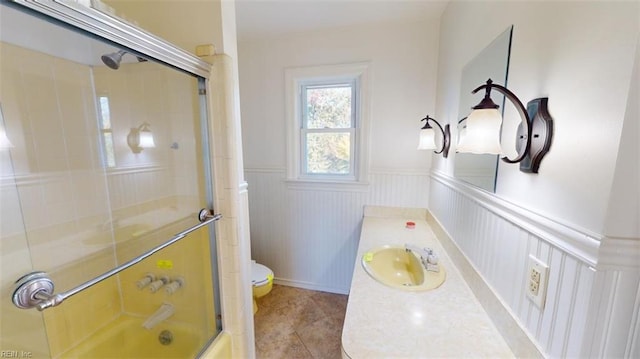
36,289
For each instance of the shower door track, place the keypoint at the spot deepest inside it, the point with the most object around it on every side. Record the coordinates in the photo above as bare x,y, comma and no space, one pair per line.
36,289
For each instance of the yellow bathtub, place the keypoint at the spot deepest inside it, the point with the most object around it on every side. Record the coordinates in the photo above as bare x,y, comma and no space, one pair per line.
126,338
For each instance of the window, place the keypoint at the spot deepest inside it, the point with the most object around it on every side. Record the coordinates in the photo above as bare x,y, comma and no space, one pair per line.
104,124
327,117
328,128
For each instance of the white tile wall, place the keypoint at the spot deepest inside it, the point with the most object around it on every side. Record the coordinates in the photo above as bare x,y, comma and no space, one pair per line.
231,200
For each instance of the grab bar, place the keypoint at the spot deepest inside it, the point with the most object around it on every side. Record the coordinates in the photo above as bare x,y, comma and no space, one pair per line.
36,289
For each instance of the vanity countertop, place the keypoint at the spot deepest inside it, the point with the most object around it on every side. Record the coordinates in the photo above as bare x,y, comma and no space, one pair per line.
384,322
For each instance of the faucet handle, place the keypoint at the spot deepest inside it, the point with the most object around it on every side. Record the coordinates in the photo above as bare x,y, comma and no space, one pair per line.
155,285
174,285
146,280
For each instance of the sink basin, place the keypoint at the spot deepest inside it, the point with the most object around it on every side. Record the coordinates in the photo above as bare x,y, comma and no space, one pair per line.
397,268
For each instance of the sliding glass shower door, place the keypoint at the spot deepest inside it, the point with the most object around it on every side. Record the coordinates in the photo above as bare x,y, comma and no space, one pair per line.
20,333
105,160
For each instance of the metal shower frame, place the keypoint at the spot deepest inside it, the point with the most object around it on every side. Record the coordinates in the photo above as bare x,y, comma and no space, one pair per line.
136,41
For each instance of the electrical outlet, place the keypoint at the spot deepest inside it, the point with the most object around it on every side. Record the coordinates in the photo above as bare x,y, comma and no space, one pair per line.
535,275
537,281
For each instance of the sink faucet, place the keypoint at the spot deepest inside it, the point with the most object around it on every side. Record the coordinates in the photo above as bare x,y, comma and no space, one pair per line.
164,312
109,223
427,257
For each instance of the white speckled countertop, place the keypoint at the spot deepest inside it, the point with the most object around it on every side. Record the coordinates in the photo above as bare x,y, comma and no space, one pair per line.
383,322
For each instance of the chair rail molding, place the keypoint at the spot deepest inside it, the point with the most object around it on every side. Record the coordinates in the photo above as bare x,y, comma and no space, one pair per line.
594,286
594,249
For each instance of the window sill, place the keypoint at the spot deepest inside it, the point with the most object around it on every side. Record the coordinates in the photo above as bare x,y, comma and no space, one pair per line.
326,185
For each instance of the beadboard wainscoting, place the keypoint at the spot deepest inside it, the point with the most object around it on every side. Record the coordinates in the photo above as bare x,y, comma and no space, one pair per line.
590,310
309,236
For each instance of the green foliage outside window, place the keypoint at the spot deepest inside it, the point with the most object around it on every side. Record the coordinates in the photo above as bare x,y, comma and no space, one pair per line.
328,153
329,124
329,107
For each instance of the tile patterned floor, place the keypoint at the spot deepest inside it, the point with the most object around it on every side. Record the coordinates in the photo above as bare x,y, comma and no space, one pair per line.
298,323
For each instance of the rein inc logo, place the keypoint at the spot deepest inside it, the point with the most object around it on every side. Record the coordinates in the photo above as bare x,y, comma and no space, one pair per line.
15,354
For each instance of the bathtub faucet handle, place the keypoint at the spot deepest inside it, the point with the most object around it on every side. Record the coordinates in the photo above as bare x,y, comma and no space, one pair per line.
155,285
174,285
146,280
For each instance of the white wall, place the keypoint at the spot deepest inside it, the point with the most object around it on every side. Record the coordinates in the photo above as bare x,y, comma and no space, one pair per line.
624,202
403,74
581,56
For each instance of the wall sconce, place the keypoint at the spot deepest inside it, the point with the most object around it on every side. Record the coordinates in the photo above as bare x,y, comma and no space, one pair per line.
4,140
462,134
427,137
140,138
485,122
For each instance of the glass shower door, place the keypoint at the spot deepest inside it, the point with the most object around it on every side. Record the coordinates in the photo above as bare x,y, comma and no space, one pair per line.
107,163
21,335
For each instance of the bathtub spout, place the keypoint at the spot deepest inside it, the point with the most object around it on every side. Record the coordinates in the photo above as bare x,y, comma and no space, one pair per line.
163,313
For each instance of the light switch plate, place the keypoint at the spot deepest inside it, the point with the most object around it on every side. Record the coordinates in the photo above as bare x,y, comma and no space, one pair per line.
536,281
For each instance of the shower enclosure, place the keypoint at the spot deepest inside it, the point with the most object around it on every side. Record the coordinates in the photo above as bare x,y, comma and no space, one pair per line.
104,167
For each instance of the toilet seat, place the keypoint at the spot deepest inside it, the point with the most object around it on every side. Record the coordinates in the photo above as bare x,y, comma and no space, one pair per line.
260,274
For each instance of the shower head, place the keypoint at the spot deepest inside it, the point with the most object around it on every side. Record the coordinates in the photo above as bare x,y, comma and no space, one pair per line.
112,60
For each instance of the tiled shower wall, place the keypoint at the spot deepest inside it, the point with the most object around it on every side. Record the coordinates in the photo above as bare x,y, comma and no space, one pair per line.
61,208
55,176
309,237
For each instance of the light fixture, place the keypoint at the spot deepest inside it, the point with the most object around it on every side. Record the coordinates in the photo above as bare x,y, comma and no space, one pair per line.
483,127
462,135
4,139
427,137
140,138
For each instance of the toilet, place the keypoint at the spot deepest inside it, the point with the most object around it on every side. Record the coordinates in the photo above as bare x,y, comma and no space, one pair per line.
262,282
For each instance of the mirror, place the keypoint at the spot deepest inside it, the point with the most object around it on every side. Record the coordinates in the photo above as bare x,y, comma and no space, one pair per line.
492,62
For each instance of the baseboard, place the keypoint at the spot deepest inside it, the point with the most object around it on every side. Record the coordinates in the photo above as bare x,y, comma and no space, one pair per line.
518,340
310,286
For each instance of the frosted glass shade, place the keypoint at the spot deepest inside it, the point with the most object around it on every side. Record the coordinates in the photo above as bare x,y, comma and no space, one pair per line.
427,139
461,135
140,138
4,140
482,134
146,139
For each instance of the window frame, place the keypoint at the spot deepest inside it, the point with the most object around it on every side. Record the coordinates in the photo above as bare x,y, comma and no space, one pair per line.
297,80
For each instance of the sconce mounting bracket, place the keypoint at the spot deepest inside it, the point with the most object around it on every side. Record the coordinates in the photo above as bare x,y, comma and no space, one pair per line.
541,135
446,141
446,135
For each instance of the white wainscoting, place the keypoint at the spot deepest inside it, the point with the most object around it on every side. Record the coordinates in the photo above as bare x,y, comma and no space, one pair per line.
588,312
309,237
